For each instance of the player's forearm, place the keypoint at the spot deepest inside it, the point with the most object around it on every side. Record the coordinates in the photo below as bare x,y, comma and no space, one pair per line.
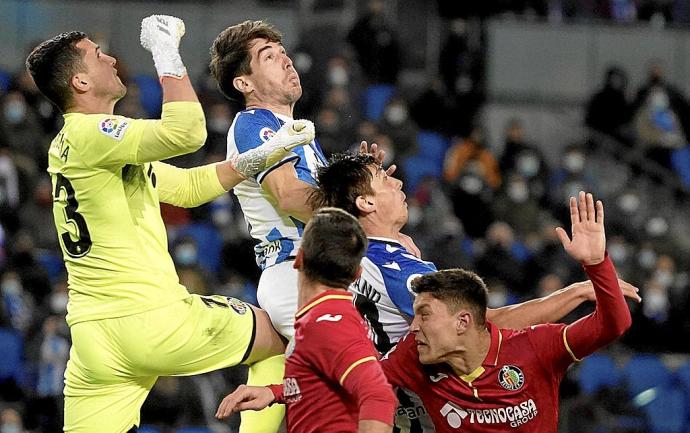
371,426
548,309
181,130
178,89
293,200
610,319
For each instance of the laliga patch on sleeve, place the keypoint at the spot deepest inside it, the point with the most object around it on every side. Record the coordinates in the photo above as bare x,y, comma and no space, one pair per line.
113,127
266,134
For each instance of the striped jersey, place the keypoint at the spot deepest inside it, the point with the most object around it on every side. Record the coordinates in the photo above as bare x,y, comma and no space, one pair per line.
278,234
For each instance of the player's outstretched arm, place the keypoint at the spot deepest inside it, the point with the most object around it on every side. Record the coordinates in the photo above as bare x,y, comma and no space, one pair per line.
245,398
588,246
553,307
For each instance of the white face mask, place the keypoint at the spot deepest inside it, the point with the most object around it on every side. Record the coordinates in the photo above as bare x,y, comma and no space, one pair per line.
12,286
219,124
574,162
337,76
518,192
396,114
618,252
527,165
58,302
664,278
15,111
10,428
646,259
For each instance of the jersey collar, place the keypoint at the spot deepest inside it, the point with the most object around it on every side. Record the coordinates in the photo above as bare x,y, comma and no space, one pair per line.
323,297
495,347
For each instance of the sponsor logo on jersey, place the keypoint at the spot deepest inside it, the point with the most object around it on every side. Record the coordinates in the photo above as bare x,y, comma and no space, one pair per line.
113,127
438,377
266,134
511,378
515,416
237,305
411,412
291,391
329,318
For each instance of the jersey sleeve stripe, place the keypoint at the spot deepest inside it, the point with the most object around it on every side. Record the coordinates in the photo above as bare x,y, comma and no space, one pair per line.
567,346
347,297
353,365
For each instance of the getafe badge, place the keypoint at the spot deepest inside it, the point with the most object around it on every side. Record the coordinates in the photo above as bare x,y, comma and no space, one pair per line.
511,378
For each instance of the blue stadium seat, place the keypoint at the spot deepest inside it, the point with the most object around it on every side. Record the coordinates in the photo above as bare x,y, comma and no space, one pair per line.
596,372
12,353
146,428
193,430
680,160
209,244
682,376
432,145
418,168
5,80
51,263
645,371
150,94
666,412
375,99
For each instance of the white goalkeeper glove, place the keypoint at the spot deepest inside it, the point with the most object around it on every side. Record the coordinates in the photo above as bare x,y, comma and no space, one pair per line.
160,34
290,135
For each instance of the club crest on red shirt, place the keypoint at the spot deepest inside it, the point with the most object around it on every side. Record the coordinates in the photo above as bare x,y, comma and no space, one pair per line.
511,378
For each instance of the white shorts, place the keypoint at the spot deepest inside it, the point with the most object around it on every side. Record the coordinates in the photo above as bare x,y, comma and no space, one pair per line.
277,295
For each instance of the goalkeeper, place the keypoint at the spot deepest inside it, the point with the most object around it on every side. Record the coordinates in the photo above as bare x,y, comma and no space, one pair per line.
130,319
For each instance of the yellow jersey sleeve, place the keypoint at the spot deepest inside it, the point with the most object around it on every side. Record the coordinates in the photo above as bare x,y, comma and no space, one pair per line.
186,187
115,141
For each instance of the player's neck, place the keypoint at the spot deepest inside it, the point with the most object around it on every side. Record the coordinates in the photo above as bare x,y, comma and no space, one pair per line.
308,290
374,228
471,353
86,104
285,110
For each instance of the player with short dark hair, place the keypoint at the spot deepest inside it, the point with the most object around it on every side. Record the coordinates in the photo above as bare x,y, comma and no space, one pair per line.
130,318
333,381
382,294
474,376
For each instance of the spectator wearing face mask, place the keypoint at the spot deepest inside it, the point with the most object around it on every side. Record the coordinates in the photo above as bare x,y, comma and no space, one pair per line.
397,124
11,421
25,136
522,158
516,205
571,176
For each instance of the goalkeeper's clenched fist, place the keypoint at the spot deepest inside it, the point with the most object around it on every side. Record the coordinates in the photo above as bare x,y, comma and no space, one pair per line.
290,135
161,34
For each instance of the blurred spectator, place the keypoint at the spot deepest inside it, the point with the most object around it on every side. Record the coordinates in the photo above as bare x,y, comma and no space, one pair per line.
460,57
9,191
397,124
37,216
11,421
431,110
500,260
572,176
53,359
608,111
218,120
656,10
472,175
24,133
18,304
525,159
376,45
658,127
517,206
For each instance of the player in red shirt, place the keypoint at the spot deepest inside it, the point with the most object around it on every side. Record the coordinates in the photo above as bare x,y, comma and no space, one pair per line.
333,381
475,377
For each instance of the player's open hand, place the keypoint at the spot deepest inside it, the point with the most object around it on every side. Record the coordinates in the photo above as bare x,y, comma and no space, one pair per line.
245,398
588,244
378,154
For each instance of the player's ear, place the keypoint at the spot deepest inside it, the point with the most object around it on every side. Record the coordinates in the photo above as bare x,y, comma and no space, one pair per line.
365,204
80,83
242,85
463,321
299,260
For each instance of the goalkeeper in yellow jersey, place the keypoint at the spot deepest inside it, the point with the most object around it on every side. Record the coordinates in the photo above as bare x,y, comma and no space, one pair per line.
130,319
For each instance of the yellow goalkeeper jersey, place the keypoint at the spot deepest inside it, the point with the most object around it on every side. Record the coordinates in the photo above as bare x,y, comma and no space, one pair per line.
106,191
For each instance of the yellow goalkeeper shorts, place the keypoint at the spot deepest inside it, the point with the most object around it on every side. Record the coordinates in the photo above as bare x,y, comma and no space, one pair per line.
114,363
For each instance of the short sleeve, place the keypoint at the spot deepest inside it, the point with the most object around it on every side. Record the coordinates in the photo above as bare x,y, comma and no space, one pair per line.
398,277
401,365
251,129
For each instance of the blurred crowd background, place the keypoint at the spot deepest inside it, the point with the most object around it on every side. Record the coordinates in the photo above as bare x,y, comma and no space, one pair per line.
486,185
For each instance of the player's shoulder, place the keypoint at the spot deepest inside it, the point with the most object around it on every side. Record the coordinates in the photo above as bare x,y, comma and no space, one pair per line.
106,126
394,261
256,116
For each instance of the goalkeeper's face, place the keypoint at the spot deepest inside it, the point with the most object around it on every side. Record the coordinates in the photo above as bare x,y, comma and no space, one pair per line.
274,79
101,71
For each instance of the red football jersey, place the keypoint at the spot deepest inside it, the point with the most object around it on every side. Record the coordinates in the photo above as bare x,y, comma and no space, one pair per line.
516,387
332,375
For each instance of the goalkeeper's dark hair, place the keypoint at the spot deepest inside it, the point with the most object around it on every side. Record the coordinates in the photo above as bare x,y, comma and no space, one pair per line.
333,246
456,288
53,63
230,56
346,177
